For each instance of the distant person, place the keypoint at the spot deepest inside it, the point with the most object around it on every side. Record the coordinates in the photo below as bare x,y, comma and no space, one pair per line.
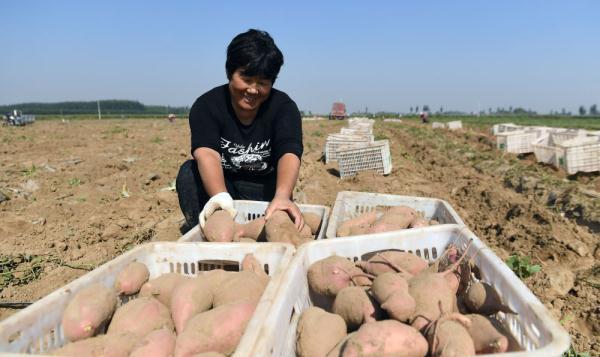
424,117
246,137
171,118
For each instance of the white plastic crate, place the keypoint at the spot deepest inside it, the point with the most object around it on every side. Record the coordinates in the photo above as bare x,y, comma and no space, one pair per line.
37,329
438,125
375,156
454,125
504,127
543,151
517,142
581,154
350,204
360,130
392,120
335,141
533,328
249,210
559,137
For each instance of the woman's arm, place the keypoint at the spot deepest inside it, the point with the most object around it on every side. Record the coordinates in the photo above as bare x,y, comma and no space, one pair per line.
211,172
288,168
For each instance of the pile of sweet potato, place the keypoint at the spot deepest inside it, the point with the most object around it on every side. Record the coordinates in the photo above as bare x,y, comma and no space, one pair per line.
171,315
383,219
280,228
396,304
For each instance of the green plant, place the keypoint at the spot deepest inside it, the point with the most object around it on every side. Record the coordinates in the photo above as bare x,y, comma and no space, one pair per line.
157,140
317,133
74,182
29,172
522,266
572,353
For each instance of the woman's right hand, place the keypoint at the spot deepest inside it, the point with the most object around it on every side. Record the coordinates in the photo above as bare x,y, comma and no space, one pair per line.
221,200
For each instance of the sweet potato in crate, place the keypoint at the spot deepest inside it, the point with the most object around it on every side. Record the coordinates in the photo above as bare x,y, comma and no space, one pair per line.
249,210
350,204
532,328
37,329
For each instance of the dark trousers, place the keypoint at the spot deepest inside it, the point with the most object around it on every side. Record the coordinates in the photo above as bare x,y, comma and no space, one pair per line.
192,195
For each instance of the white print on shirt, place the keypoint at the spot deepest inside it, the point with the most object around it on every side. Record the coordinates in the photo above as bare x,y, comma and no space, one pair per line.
252,157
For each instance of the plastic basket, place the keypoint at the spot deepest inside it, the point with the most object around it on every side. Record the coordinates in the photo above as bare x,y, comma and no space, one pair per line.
375,156
356,130
37,329
517,142
335,141
581,154
533,328
249,210
543,151
349,204
392,120
438,125
454,125
504,127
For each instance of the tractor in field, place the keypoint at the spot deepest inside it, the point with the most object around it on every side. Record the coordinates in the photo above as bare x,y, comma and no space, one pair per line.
338,111
16,118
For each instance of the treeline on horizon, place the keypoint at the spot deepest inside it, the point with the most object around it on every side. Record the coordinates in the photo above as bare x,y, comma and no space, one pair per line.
108,107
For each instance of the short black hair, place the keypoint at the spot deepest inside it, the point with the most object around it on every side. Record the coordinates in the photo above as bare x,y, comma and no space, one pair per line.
256,53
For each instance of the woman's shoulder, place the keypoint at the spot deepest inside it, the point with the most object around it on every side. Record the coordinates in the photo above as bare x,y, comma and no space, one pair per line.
213,96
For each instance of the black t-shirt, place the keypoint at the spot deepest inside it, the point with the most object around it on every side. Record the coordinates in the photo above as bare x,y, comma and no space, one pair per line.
247,150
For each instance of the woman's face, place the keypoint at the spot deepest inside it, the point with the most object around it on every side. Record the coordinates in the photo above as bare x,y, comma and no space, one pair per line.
248,93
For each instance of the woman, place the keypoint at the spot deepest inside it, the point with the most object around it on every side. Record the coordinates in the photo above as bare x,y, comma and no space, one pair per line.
246,137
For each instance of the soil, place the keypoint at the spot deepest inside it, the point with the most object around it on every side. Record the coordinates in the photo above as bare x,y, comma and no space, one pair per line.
74,195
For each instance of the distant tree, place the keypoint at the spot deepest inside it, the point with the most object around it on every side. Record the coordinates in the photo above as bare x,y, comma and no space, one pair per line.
441,109
417,109
510,108
490,111
593,110
426,108
581,110
563,111
411,109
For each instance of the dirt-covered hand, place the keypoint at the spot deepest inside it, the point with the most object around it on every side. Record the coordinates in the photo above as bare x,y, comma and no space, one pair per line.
287,205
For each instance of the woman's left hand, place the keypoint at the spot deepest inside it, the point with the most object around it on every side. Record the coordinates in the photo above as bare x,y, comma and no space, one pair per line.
287,205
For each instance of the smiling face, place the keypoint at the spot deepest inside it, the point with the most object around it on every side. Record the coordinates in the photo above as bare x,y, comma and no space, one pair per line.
247,94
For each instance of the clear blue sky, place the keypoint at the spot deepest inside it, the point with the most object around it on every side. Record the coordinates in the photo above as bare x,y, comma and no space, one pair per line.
384,55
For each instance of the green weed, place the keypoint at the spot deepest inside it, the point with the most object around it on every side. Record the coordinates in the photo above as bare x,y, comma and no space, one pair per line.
572,353
74,182
157,140
522,266
30,172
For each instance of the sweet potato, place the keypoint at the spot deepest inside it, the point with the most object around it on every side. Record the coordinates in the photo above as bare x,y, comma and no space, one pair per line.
189,298
219,227
318,332
114,345
244,285
418,222
356,307
140,317
280,228
254,229
402,210
337,350
432,293
486,338
88,312
130,280
243,240
330,275
391,291
402,221
380,227
162,287
158,343
217,330
365,219
250,263
393,261
385,338
209,354
313,221
482,298
449,337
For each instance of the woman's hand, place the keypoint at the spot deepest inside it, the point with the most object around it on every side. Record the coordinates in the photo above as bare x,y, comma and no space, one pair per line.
282,203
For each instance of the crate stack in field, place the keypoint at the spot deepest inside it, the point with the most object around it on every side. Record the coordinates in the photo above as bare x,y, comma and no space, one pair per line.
574,150
355,149
451,125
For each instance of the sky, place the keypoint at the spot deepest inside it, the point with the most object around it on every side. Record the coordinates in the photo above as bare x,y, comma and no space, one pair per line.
375,55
